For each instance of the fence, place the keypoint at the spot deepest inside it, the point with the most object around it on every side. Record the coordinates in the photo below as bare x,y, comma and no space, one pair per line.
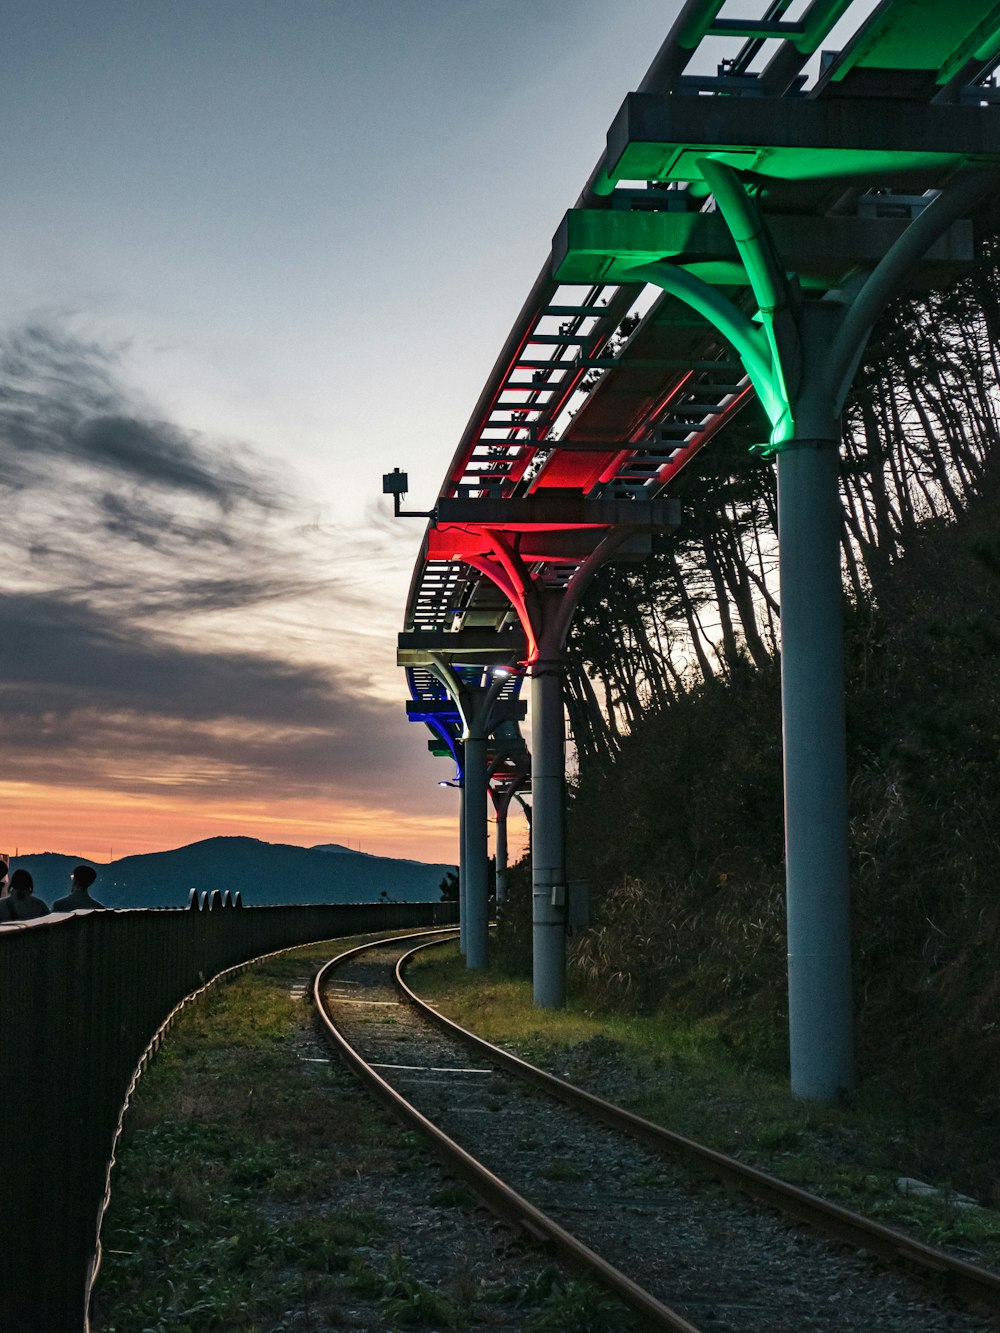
81,997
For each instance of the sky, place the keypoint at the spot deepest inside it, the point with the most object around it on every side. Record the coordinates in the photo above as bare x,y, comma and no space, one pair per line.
255,254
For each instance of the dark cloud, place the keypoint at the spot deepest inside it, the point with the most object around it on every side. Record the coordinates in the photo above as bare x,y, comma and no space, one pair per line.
57,655
84,701
61,405
126,511
157,587
150,452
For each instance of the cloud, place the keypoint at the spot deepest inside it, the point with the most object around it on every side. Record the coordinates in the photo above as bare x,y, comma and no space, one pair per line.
167,615
115,508
157,454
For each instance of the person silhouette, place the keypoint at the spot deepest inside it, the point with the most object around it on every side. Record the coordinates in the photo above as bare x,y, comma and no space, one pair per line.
21,904
81,879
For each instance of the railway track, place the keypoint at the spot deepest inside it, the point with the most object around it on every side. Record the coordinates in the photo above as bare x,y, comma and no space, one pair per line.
688,1238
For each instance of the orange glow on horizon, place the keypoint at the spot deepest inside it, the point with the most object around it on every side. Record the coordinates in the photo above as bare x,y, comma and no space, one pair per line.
92,823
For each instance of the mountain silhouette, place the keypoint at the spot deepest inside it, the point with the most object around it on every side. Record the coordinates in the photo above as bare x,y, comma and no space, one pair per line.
263,872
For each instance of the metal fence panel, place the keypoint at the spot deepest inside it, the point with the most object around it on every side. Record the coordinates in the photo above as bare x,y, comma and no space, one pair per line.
81,997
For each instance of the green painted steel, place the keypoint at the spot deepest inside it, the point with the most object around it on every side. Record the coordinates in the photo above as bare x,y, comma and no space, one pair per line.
924,35
854,139
593,245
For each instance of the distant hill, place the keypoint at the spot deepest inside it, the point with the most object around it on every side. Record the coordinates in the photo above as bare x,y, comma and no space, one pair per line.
263,872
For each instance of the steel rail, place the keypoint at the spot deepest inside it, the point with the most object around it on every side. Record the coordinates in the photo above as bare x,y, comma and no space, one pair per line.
975,1287
500,1198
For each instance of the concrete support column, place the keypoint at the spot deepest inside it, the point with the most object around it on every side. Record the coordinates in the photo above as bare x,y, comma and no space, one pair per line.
548,873
820,1007
475,854
502,806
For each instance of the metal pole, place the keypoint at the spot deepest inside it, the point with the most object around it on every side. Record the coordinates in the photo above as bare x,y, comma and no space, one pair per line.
820,1009
502,806
474,853
462,912
548,874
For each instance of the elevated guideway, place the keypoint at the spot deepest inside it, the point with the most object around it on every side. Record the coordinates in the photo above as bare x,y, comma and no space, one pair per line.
734,245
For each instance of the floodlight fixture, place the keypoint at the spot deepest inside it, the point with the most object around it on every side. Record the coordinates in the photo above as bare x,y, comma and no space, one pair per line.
396,484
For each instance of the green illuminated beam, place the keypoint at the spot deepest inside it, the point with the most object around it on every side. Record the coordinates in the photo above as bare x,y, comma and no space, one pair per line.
920,35
817,21
664,138
981,45
773,292
601,245
697,20
750,342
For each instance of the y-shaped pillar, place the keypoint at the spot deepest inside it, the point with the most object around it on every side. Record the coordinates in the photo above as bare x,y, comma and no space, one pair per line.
475,704
552,612
546,611
801,360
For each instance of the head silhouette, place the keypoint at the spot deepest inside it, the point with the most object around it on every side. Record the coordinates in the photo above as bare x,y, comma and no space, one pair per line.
21,884
83,877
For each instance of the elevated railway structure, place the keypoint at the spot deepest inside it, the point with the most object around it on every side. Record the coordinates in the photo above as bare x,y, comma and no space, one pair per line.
737,240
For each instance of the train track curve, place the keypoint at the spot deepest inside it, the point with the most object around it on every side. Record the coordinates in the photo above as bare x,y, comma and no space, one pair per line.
688,1238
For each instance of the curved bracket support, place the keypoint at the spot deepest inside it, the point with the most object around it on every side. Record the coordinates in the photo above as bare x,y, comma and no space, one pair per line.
507,571
962,193
556,628
474,702
749,341
777,298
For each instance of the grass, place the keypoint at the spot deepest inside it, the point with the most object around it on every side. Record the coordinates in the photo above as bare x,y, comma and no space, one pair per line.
239,1197
686,1077
562,1305
223,1137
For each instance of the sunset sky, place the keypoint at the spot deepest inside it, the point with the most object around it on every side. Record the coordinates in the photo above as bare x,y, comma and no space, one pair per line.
255,253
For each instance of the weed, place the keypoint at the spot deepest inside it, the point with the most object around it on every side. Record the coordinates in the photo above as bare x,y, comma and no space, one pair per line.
578,1307
365,1280
532,1290
416,1303
563,1306
402,1298
778,1138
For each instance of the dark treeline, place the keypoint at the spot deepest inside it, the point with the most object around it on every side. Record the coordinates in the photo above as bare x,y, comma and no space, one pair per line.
920,436
673,695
